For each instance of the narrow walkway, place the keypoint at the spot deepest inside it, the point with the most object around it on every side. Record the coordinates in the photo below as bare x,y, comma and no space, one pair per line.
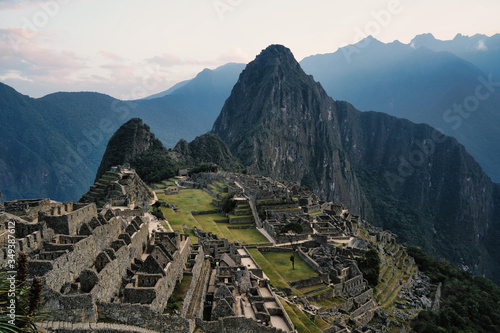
266,234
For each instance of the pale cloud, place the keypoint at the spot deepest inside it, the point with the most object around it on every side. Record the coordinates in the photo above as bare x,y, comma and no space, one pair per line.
126,48
18,4
481,46
169,59
233,55
110,55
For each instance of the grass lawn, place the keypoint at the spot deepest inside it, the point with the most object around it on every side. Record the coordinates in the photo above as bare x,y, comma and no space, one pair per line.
220,184
281,263
311,288
278,268
207,223
197,200
327,303
178,219
189,200
299,319
318,321
248,236
276,279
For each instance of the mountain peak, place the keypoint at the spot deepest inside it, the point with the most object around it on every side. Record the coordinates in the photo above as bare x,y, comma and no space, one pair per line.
130,140
275,55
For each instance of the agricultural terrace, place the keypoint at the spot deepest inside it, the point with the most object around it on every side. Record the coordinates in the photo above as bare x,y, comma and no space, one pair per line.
194,200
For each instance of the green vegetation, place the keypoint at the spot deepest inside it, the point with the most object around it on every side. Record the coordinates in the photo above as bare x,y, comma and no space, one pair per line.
276,265
370,266
176,300
302,323
281,263
208,152
468,304
290,230
188,200
156,211
154,165
173,304
205,167
294,227
27,299
227,203
329,302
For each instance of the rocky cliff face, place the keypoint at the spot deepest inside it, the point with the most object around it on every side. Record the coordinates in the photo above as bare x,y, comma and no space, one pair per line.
277,121
405,177
131,140
206,148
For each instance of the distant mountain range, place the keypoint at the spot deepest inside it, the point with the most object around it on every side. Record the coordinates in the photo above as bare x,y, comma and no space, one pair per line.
68,131
52,146
451,85
405,177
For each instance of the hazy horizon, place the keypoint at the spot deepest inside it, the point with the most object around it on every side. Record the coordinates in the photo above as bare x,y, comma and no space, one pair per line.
129,50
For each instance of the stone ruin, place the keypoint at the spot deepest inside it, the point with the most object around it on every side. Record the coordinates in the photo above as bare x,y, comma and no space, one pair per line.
88,258
102,265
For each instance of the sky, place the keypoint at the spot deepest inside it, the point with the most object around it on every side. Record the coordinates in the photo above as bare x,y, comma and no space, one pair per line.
130,49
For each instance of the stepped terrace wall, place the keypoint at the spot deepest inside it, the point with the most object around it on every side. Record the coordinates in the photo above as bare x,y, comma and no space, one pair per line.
68,217
81,258
61,273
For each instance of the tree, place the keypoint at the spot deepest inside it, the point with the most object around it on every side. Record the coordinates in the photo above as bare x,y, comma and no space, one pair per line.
370,266
228,203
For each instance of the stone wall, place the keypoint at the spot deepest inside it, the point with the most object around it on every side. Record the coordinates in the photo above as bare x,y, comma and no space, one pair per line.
327,294
366,317
67,327
310,261
234,324
280,239
105,285
195,272
206,282
158,295
278,206
82,257
363,308
129,212
68,217
306,283
288,211
364,297
72,308
35,240
110,277
353,286
143,316
241,220
213,211
275,249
